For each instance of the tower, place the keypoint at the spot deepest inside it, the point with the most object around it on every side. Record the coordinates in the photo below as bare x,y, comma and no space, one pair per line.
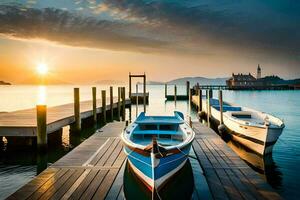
258,76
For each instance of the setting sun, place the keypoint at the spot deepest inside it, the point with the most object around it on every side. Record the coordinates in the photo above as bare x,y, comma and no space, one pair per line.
42,68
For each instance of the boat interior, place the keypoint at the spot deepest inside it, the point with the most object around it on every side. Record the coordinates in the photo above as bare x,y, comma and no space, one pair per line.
166,134
241,113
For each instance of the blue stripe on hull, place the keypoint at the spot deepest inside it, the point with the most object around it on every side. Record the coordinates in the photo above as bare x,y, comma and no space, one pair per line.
169,163
143,163
166,164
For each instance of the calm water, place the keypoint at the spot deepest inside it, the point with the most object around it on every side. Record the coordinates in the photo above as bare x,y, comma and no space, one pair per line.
280,169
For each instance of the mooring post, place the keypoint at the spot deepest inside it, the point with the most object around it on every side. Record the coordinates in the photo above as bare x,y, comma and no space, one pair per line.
221,106
211,93
111,96
190,94
175,93
41,111
190,122
94,93
137,99
187,88
119,103
123,104
190,100
221,127
166,90
144,81
200,100
129,85
208,107
77,126
103,95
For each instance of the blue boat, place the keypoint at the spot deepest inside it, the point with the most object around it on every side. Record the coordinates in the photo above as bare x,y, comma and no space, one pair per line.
157,147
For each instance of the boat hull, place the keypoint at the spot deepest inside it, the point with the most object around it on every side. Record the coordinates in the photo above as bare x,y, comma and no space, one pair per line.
259,139
155,172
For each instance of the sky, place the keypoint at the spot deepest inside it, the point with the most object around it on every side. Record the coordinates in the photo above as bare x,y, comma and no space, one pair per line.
86,41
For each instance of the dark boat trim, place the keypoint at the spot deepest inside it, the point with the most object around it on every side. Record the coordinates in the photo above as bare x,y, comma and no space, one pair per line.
159,155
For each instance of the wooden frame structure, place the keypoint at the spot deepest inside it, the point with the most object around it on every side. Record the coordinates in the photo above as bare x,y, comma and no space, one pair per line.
144,87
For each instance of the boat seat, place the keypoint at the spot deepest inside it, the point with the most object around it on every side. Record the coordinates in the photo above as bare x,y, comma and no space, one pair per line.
228,108
241,115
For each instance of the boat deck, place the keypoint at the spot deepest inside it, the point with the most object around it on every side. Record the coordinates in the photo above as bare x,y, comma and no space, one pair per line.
94,170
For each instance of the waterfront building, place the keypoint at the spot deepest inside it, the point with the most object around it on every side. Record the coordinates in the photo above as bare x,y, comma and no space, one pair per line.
243,81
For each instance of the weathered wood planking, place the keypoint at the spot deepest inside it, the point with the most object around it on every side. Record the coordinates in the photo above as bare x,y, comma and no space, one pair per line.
23,122
93,170
227,175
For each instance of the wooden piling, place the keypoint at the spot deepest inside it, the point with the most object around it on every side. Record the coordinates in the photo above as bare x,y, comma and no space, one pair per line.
137,99
221,106
123,104
129,85
144,80
77,125
175,93
166,90
208,107
200,100
190,122
119,103
103,95
94,93
211,93
190,95
41,113
111,95
187,88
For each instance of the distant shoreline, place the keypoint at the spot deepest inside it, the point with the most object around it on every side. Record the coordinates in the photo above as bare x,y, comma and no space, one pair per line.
4,83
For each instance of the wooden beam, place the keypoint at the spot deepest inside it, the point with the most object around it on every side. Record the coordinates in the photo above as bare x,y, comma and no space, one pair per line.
94,93
119,102
77,126
144,92
103,95
111,95
123,103
41,113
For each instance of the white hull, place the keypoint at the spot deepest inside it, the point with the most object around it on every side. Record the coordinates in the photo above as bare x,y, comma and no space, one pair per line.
260,139
158,183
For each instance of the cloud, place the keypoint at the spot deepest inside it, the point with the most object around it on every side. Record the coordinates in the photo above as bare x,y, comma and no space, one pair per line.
72,29
269,25
198,27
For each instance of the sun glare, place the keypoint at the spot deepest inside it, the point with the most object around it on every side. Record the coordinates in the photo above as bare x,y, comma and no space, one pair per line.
42,68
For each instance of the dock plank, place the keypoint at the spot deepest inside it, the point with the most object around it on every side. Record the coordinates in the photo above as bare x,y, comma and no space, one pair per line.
23,122
228,176
94,170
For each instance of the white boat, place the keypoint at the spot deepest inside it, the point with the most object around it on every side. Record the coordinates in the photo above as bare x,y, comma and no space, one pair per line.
157,147
256,130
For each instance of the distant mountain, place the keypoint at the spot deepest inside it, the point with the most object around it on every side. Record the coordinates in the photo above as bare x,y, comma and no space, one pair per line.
4,83
151,83
200,80
107,82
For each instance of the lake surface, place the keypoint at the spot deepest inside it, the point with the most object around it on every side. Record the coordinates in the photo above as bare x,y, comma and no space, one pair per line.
280,170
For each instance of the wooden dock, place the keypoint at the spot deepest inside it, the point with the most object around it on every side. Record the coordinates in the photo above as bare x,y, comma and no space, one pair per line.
24,122
227,175
94,170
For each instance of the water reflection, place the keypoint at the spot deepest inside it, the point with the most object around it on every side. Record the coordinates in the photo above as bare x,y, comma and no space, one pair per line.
180,186
42,95
264,165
